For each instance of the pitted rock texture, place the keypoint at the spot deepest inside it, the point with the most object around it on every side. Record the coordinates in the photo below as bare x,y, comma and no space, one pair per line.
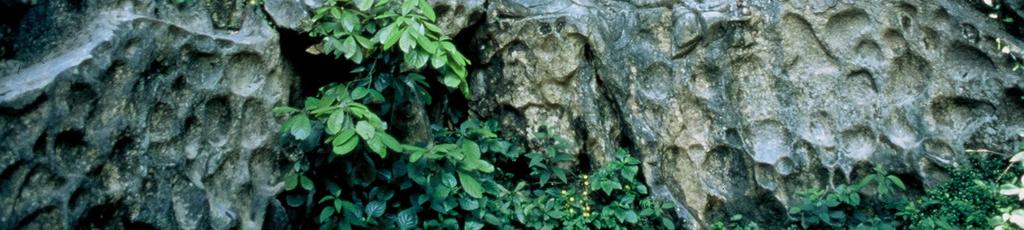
126,114
734,106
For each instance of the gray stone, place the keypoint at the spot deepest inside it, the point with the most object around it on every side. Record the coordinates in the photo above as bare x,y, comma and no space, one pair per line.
736,105
290,14
121,114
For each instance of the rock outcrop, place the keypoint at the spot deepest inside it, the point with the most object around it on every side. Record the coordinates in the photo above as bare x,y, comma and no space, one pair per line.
735,105
124,114
132,112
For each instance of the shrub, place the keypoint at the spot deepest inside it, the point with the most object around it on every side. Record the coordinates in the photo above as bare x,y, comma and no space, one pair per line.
843,206
967,199
356,174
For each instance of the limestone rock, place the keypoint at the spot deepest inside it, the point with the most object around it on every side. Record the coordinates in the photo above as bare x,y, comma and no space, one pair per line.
124,114
736,105
289,14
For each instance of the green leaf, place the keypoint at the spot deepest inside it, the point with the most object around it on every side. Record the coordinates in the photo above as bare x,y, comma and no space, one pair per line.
326,214
560,173
306,183
335,12
433,28
365,130
630,172
291,181
360,93
459,69
1017,157
345,144
610,186
407,6
366,43
854,199
427,10
447,179
1009,189
384,34
390,142
363,5
326,199
471,153
294,200
896,181
471,185
349,21
407,219
300,126
824,217
473,225
631,217
439,60
393,37
285,110
425,44
416,154
335,121
377,147
416,58
486,167
452,81
469,204
375,209
406,42
668,224
349,48
554,214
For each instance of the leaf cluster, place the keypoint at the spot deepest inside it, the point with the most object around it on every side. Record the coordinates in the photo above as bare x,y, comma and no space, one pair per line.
842,206
358,29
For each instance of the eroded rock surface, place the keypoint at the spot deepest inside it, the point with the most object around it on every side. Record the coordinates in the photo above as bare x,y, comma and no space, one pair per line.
125,114
736,105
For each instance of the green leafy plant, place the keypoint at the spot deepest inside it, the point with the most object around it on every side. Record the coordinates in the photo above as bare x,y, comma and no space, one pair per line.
842,206
967,199
734,223
588,201
1012,216
358,29
543,164
356,174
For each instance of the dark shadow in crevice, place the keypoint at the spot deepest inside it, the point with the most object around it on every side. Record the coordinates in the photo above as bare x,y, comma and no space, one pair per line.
11,15
69,139
1016,96
314,71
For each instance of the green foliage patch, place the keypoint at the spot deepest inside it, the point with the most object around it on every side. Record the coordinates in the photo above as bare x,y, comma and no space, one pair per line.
967,199
356,173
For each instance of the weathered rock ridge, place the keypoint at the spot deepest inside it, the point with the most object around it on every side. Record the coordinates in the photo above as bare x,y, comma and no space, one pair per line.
126,113
736,105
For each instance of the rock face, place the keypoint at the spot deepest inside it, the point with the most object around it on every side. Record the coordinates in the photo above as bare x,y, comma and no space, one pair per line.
134,113
734,105
126,114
